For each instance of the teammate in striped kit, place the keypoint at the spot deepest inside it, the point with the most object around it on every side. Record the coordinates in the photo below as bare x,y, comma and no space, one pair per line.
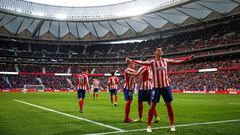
161,84
113,88
82,86
128,89
95,88
144,93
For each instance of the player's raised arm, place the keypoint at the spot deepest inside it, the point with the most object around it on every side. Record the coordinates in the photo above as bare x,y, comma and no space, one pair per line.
137,73
134,73
87,83
179,60
139,62
141,70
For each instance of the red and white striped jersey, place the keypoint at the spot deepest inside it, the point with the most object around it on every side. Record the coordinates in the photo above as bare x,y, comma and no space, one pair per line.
129,79
159,69
146,77
95,83
83,82
113,82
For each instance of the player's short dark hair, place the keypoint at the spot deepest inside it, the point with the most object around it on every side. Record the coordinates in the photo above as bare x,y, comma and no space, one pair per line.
157,48
84,70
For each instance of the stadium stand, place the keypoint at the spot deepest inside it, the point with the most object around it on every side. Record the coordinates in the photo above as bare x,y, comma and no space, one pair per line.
215,46
210,80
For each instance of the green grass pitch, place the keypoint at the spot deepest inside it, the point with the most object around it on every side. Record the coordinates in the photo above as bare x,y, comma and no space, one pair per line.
22,119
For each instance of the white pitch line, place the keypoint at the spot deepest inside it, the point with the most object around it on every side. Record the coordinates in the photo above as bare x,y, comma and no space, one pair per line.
69,115
164,127
234,103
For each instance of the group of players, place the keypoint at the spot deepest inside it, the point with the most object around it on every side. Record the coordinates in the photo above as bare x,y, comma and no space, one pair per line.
154,83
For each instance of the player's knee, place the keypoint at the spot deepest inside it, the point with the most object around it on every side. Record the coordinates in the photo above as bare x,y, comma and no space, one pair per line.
168,103
153,106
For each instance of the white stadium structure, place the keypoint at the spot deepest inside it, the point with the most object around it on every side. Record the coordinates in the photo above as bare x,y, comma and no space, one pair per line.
114,20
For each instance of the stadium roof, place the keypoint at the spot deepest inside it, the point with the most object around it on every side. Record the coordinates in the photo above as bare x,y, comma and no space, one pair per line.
14,22
78,3
81,11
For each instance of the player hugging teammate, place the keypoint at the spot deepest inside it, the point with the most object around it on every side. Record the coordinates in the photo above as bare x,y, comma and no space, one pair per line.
161,84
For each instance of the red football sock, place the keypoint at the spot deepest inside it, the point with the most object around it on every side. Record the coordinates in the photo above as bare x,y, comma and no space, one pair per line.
140,108
170,113
154,111
127,109
96,95
150,117
115,98
81,104
150,113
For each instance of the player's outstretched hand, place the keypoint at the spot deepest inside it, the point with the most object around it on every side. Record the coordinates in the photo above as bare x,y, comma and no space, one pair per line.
127,60
191,57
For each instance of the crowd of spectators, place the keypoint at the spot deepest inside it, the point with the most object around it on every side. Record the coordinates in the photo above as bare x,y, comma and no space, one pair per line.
221,80
57,83
56,69
16,81
4,67
218,62
208,36
3,83
30,68
202,63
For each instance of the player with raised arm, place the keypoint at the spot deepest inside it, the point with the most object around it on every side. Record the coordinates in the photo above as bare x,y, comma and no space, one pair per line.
128,89
95,88
82,86
161,84
113,88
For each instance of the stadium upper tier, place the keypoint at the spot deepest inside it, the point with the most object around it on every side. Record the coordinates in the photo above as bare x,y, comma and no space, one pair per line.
127,19
213,39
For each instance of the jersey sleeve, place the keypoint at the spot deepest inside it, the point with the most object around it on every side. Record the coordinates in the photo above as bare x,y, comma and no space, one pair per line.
130,71
87,82
141,70
145,63
177,60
